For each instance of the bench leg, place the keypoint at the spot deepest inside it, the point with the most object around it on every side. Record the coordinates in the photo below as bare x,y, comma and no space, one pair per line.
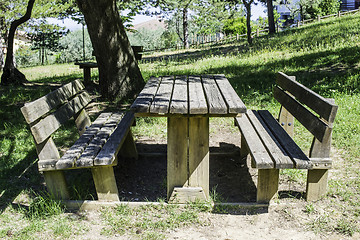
267,185
105,183
128,149
316,184
56,184
244,151
87,75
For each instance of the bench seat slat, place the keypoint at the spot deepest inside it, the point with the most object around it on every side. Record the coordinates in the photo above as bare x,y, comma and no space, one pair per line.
260,157
36,109
109,151
68,159
43,129
296,154
87,157
277,152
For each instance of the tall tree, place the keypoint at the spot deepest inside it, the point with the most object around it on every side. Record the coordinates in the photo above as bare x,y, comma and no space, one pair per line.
119,74
247,4
11,74
271,20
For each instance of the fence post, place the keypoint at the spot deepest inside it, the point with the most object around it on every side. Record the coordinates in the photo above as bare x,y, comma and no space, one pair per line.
339,14
257,32
318,18
298,24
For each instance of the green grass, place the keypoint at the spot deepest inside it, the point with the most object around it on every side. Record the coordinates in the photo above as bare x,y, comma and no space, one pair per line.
323,56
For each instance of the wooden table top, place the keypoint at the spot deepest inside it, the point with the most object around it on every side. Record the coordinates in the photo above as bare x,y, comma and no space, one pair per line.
210,95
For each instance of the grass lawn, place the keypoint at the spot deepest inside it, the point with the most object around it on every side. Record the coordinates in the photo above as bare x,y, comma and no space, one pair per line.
323,56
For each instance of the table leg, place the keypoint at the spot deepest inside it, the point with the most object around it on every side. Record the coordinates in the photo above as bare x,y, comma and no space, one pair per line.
188,159
87,75
177,170
199,153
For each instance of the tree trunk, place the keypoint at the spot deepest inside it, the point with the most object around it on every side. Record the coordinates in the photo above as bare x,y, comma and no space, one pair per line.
185,28
1,57
248,20
11,75
119,74
270,9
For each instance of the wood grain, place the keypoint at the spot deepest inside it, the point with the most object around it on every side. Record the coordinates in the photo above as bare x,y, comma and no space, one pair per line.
143,101
161,102
215,100
197,100
179,100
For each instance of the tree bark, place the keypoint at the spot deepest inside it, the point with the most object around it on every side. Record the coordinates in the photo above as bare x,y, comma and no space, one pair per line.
270,9
185,28
11,75
119,74
248,19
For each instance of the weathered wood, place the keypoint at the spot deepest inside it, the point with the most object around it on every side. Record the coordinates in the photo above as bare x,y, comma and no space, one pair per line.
286,120
146,96
316,184
197,100
111,148
161,102
179,100
82,121
317,103
274,148
105,183
199,153
128,148
43,129
36,109
56,184
187,195
232,100
215,100
177,168
304,116
68,160
87,74
267,185
296,154
260,157
91,151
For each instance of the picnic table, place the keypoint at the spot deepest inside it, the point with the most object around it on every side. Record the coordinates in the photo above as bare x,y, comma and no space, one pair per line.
187,102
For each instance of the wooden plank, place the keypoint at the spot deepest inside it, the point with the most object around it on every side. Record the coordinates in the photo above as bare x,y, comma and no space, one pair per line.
296,154
232,100
56,184
177,150
326,109
311,122
82,121
43,129
109,151
179,100
197,100
36,109
261,158
187,195
273,147
146,96
267,185
105,183
199,153
214,98
87,157
68,160
161,102
286,120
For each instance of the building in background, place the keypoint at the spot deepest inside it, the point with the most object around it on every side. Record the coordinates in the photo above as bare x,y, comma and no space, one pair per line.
347,5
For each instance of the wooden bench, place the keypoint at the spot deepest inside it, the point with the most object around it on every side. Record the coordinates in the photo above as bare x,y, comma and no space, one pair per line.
96,148
270,142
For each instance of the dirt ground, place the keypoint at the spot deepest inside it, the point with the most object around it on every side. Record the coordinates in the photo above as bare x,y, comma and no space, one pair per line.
234,182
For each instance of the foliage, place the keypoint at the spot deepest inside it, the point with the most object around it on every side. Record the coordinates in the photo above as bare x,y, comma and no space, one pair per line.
26,57
72,47
150,39
235,25
312,9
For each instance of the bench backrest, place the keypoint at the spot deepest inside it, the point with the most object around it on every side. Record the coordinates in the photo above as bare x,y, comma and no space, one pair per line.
297,100
46,115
